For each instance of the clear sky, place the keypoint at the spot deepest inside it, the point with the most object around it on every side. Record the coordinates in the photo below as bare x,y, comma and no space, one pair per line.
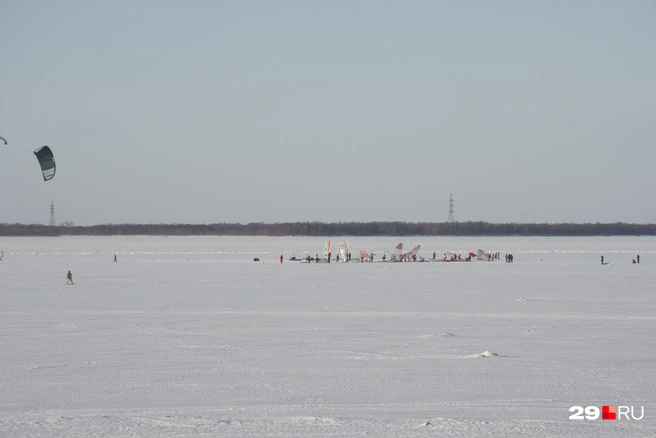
275,111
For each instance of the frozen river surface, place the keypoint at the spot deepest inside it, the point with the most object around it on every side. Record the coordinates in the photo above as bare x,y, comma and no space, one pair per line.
187,336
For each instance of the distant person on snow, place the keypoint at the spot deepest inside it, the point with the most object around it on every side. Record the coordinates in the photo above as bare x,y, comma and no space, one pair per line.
281,259
638,258
602,260
69,278
115,258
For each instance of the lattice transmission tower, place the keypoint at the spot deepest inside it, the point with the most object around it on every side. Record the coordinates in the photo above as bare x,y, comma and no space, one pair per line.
52,222
451,219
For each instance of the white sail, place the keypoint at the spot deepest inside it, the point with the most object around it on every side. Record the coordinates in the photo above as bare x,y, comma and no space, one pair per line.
397,253
344,250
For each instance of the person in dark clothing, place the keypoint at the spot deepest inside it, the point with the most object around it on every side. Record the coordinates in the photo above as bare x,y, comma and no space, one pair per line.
69,278
638,258
316,258
115,258
281,259
602,260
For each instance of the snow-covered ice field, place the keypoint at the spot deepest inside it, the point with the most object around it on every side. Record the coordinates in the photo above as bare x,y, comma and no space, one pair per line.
187,336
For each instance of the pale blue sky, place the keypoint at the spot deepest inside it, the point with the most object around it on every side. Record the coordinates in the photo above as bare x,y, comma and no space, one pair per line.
209,111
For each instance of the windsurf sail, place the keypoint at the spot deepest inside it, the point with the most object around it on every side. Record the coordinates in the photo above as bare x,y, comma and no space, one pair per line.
46,161
482,255
397,254
344,251
364,255
410,255
326,248
2,254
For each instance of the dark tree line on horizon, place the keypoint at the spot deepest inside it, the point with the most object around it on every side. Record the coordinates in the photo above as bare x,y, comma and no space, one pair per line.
336,229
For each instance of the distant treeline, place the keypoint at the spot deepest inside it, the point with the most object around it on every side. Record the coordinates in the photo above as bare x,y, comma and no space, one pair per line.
336,229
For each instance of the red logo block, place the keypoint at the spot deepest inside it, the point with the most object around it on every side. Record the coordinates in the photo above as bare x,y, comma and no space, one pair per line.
608,413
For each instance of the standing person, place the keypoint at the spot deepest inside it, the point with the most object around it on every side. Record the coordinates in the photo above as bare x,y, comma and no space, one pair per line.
638,258
69,278
281,259
316,258
602,260
115,258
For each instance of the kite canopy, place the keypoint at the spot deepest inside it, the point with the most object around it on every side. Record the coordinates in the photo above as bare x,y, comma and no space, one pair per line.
3,139
46,161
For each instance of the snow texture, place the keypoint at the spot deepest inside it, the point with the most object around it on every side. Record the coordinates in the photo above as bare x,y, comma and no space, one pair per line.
187,336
